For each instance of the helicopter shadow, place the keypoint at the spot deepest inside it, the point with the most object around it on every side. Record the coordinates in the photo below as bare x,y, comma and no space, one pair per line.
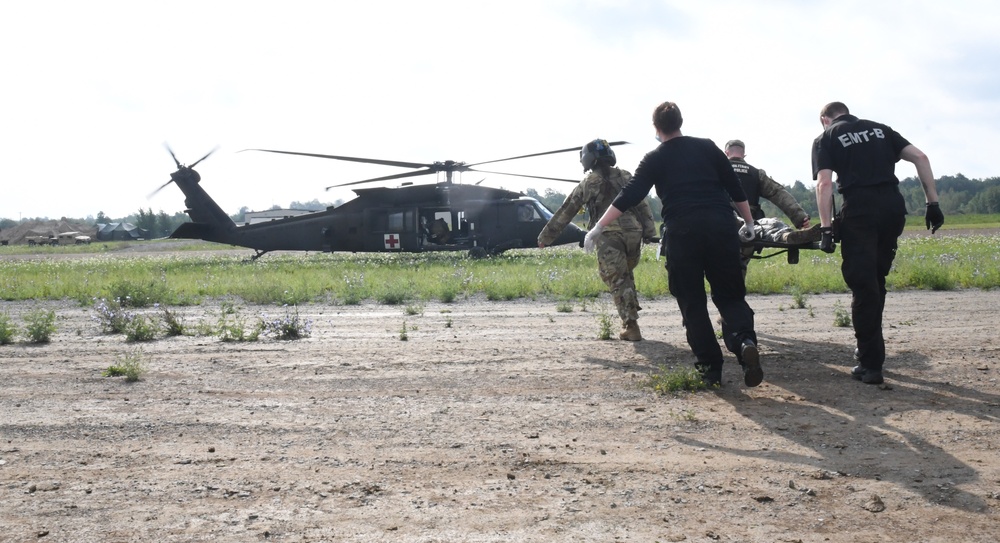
861,430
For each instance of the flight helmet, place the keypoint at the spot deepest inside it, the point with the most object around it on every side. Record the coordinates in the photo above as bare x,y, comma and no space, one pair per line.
594,151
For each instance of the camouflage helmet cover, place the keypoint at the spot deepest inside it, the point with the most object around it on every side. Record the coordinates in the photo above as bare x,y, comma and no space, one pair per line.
596,150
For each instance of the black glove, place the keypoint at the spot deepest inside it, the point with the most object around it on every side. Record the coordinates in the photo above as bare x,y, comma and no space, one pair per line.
933,217
826,243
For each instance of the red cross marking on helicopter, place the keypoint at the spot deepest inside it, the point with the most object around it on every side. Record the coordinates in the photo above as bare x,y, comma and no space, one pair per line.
391,241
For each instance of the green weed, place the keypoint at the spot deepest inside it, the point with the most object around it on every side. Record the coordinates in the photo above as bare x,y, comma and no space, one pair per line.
40,325
798,298
841,316
674,380
173,325
289,327
605,322
129,365
141,328
8,330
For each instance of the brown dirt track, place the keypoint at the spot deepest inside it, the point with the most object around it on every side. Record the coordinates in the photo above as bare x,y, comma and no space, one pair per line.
512,424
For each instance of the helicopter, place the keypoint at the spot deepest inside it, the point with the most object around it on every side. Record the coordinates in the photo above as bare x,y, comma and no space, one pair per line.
444,216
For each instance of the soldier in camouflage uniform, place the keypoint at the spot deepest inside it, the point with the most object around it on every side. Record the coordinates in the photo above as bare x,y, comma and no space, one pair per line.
757,184
619,249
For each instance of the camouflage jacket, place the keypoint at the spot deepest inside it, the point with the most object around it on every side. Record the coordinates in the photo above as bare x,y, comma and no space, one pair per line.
596,193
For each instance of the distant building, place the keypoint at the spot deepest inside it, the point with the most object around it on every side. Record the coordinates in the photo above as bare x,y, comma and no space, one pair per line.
254,217
120,231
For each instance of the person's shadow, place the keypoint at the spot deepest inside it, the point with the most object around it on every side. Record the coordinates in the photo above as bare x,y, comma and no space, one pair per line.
834,417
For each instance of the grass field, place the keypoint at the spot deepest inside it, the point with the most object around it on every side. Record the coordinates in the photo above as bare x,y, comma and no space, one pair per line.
563,273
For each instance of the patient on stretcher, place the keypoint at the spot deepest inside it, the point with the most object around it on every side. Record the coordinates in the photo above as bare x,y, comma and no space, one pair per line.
774,230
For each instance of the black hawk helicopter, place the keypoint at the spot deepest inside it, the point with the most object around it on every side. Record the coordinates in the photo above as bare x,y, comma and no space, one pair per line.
445,216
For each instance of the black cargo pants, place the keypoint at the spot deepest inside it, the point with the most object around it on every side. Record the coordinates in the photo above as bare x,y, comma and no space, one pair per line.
873,220
702,246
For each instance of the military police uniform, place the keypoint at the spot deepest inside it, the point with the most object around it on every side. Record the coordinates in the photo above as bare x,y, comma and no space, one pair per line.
620,247
756,185
863,154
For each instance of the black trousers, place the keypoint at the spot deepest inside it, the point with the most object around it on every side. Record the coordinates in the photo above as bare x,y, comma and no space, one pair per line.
868,240
704,246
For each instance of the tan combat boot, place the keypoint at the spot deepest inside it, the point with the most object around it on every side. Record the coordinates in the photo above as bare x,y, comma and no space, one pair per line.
630,332
808,235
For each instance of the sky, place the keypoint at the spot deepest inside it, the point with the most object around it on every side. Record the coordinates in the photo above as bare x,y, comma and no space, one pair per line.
93,91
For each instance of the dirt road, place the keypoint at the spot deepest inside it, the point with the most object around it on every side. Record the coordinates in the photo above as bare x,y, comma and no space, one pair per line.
505,422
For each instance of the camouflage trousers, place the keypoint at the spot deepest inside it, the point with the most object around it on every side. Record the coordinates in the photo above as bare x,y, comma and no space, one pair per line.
617,255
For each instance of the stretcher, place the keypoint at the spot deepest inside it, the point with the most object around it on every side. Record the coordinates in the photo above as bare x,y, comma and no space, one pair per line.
790,249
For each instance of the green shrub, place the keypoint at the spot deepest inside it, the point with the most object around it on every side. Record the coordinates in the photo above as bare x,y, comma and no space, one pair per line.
841,316
141,328
288,327
604,321
8,330
173,325
111,316
233,328
674,380
130,366
40,325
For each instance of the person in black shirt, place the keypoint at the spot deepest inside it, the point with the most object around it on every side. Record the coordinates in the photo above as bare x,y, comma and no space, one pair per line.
863,154
696,186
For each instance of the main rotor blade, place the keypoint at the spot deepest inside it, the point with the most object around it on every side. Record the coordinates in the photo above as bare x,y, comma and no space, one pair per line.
386,178
543,154
349,158
171,151
161,187
529,176
204,157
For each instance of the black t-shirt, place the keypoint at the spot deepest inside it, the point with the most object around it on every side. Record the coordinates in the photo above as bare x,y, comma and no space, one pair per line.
691,175
861,152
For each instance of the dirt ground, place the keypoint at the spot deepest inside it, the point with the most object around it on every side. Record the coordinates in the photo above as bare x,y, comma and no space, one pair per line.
497,422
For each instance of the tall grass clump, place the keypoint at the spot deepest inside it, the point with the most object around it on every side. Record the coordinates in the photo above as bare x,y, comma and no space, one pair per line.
173,324
129,365
8,330
136,293
233,328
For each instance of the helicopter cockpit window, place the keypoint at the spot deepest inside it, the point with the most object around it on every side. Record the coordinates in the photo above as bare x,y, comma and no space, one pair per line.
527,213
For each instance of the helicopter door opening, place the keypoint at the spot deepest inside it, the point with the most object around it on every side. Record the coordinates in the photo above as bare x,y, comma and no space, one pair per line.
438,227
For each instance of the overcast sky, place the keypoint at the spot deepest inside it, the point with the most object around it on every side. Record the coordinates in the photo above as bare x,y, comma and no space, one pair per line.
92,90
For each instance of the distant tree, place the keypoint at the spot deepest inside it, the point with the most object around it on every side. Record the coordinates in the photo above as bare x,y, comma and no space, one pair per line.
7,223
102,218
241,215
987,201
312,205
164,224
146,220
